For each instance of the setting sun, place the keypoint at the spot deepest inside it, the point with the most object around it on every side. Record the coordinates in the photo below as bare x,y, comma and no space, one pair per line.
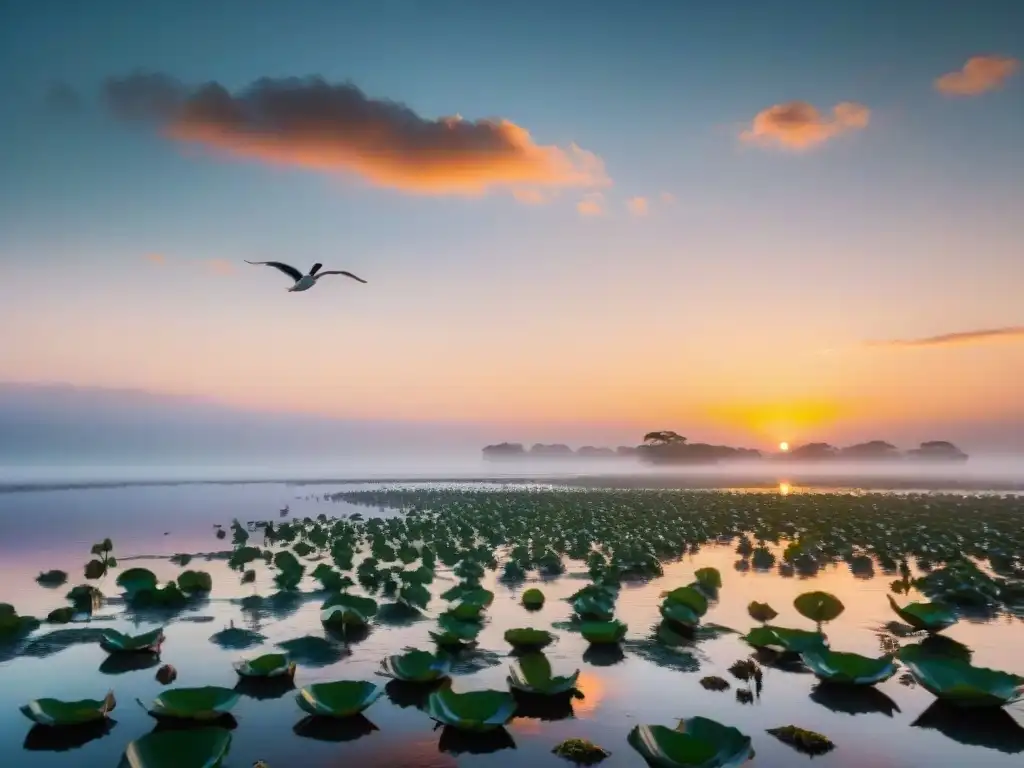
784,446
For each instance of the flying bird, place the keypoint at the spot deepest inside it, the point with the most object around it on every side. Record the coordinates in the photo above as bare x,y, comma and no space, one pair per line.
304,282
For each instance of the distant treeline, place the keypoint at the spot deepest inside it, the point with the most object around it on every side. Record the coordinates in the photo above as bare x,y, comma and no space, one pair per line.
667,447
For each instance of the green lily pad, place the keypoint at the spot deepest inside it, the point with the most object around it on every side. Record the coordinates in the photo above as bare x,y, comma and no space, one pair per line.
136,580
679,613
689,597
532,674
533,598
761,612
819,607
930,617
207,703
347,610
697,742
455,633
343,698
267,665
54,712
848,668
193,748
476,711
52,578
237,638
416,667
784,639
113,641
959,682
603,632
525,638
710,578
191,582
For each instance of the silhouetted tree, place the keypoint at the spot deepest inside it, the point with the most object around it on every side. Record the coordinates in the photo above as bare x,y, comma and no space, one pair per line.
940,450
871,450
664,437
812,452
503,450
555,449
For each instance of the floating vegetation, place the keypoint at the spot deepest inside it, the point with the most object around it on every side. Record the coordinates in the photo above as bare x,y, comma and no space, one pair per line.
927,617
166,675
807,742
532,674
268,665
761,612
113,641
959,682
603,632
849,668
696,741
581,751
195,748
202,704
52,578
57,713
527,638
103,560
714,683
13,626
416,667
237,638
477,711
533,599
343,698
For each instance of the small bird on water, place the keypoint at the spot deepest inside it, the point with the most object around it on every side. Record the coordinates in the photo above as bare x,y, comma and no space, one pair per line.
304,282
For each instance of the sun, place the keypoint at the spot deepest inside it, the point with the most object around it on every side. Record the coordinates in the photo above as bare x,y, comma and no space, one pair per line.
784,446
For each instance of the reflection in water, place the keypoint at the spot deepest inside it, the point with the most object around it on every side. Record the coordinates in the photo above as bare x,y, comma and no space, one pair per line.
237,639
49,643
334,729
265,688
784,661
348,635
120,663
164,723
853,699
405,694
466,662
397,615
993,728
603,655
456,742
312,651
547,708
43,738
593,690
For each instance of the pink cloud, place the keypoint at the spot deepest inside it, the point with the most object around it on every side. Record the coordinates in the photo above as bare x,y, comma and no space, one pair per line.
978,75
799,125
592,204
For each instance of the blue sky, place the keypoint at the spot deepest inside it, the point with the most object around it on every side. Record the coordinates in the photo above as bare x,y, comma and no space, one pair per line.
486,308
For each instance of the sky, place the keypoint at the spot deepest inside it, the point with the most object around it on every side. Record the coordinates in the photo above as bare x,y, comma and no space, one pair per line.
748,222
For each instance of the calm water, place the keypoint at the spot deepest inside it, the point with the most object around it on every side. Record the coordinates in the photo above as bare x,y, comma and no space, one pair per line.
54,529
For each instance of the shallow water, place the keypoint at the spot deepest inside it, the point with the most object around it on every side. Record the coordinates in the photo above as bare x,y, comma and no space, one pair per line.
54,529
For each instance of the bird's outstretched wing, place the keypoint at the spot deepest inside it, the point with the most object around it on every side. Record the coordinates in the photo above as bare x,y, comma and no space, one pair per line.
291,271
338,272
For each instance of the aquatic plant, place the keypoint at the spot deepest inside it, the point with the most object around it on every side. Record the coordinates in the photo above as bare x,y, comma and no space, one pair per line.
195,748
527,638
929,617
848,668
533,599
343,698
581,751
52,578
531,674
714,683
959,682
477,711
784,639
603,632
696,741
191,582
12,625
819,607
166,675
60,615
802,740
204,704
345,610
761,612
113,641
416,667
134,580
267,665
237,638
57,713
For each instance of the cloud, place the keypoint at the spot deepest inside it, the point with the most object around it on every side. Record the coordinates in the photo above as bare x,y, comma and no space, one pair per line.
978,75
155,258
637,206
592,204
959,337
668,198
529,196
336,128
799,125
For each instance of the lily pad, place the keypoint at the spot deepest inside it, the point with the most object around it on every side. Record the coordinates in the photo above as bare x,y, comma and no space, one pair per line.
849,668
267,665
784,639
603,632
679,613
474,711
52,578
195,748
204,704
533,599
348,610
532,674
819,607
343,698
237,638
960,682
696,741
761,612
689,597
113,641
929,617
54,712
416,667
136,580
527,638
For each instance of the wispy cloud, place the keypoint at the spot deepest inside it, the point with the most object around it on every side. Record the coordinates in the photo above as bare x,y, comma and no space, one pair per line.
336,128
959,337
529,196
979,75
638,206
799,125
592,204
155,258
668,198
